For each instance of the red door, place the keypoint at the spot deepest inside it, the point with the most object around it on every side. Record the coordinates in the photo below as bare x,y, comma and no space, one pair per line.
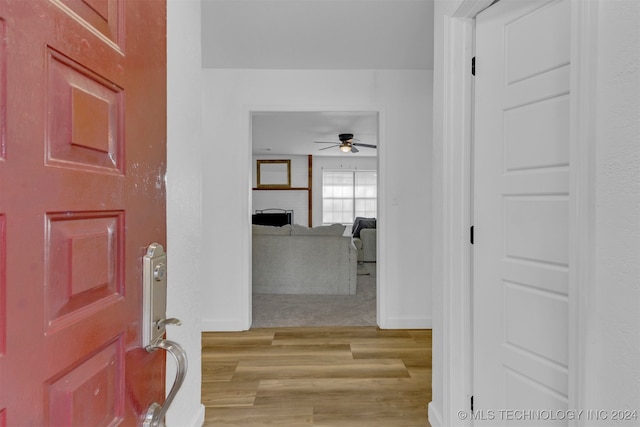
82,194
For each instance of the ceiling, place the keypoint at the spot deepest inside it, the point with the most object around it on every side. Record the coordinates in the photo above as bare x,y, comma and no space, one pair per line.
294,133
316,34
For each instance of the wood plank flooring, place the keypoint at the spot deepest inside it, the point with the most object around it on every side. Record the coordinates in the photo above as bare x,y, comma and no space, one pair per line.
338,377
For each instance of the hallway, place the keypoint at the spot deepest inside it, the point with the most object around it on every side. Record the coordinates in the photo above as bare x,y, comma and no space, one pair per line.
343,376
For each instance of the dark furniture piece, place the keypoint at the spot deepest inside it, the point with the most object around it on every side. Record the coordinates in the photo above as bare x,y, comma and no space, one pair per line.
273,217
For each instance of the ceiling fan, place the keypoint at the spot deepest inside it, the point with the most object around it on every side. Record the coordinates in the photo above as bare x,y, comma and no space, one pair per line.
346,143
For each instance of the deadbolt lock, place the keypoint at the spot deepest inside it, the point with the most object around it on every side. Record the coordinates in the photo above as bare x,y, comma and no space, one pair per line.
159,272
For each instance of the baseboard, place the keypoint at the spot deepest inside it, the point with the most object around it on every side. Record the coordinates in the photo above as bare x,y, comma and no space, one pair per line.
183,419
214,325
217,325
198,418
435,419
407,323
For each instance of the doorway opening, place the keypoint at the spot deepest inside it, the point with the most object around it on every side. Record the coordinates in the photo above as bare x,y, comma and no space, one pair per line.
309,141
453,128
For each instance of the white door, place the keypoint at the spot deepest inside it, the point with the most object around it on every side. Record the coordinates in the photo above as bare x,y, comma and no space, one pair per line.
521,213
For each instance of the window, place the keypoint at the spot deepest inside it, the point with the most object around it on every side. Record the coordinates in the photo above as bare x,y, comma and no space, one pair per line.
347,195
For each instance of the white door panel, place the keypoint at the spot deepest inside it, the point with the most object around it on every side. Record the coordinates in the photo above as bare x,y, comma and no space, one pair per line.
549,277
536,228
525,392
537,88
528,330
521,209
531,48
537,135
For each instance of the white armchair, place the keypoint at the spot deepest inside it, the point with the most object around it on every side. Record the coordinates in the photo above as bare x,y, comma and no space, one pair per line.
368,236
365,238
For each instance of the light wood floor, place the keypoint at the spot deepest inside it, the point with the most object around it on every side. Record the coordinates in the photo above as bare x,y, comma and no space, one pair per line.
343,376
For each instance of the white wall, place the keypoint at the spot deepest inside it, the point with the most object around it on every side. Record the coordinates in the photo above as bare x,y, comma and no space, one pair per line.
405,101
294,200
184,204
613,324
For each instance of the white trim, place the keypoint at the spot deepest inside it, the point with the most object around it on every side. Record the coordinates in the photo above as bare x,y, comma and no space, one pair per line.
409,323
435,419
382,298
381,274
218,325
470,8
457,339
198,418
584,42
456,308
245,234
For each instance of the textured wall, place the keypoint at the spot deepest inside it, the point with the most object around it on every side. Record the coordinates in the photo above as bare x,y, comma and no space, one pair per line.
184,206
613,352
405,96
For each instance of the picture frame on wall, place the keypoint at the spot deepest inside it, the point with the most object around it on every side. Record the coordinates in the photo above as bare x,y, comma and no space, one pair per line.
273,173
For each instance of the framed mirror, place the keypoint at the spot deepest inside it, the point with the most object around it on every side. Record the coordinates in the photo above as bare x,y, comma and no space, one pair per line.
274,174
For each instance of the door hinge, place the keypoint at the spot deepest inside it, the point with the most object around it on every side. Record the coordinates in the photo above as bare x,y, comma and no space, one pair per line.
471,403
471,234
473,66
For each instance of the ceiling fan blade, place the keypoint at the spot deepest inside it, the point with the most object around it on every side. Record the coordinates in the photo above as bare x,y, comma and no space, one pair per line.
354,149
365,145
324,142
331,146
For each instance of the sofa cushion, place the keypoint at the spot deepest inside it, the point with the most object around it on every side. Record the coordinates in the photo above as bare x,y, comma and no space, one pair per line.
285,230
313,265
323,230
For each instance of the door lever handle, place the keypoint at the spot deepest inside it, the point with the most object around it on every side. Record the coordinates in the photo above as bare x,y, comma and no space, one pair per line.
171,321
156,412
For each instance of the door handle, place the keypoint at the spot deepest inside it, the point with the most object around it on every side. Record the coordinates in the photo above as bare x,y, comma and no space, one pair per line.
154,322
171,321
156,412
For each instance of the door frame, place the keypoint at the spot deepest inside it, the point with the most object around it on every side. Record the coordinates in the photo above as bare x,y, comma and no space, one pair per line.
454,218
381,265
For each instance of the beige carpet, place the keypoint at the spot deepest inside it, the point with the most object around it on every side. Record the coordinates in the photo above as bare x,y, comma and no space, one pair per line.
320,310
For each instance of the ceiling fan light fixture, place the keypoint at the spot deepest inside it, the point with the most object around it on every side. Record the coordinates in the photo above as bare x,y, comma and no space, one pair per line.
347,144
345,137
345,147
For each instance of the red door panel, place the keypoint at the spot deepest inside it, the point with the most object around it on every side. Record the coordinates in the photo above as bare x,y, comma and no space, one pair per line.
82,194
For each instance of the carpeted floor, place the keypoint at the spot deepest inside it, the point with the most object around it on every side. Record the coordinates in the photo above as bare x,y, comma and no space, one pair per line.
320,310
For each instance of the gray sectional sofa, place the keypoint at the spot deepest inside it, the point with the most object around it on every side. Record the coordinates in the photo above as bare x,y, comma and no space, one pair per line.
365,234
301,260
